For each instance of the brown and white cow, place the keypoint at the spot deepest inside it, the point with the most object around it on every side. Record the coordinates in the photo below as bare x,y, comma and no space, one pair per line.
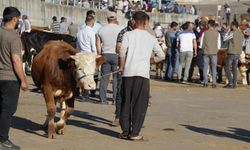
57,70
244,65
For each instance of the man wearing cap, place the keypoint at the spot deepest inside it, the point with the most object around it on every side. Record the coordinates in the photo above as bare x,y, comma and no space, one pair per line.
108,36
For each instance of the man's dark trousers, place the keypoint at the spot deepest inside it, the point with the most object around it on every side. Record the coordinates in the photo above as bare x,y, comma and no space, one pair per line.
135,97
9,94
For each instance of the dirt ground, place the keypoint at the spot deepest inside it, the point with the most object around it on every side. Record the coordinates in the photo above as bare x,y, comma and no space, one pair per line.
181,117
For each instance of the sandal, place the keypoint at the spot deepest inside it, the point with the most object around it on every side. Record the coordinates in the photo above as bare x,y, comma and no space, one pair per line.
138,138
123,135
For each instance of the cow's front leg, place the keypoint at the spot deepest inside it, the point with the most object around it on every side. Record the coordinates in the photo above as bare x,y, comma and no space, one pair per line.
60,125
51,110
61,122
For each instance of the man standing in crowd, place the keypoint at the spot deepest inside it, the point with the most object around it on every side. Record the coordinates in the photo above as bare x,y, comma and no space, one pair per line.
171,40
86,42
137,47
129,27
186,42
26,23
12,76
97,26
64,26
108,36
55,25
86,39
235,38
198,60
210,43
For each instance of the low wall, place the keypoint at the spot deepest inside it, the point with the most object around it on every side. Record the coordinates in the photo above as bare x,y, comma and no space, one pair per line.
40,13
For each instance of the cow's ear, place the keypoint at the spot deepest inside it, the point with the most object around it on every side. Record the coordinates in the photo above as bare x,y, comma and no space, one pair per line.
99,60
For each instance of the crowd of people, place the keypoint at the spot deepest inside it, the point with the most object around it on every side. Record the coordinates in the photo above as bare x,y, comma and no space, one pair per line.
198,43
125,6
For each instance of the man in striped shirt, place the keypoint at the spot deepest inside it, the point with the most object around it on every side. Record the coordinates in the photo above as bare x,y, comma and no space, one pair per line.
55,26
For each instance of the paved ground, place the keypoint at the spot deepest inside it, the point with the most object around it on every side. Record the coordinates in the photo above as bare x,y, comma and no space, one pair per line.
182,117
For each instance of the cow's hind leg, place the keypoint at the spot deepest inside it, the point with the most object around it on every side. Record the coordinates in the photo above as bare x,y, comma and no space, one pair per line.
60,125
51,110
243,72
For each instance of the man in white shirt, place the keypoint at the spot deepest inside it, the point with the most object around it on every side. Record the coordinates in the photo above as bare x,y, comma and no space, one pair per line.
26,23
86,38
86,42
186,42
97,26
108,36
137,47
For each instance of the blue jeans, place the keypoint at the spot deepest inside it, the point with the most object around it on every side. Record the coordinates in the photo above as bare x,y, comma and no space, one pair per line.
213,62
177,61
232,59
170,64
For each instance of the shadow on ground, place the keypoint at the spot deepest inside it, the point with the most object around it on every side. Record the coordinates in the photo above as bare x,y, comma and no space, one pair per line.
233,133
33,128
27,125
88,116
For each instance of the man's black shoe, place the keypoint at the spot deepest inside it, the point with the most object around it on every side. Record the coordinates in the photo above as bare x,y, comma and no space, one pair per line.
214,85
228,86
8,145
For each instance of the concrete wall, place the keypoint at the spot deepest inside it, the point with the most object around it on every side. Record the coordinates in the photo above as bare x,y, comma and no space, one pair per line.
40,13
30,7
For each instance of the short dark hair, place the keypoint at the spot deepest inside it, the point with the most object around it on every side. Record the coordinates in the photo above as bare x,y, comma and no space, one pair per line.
54,18
173,24
185,25
9,13
211,23
89,18
140,17
90,12
235,23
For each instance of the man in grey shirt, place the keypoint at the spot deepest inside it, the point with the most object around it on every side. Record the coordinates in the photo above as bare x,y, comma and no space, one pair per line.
108,36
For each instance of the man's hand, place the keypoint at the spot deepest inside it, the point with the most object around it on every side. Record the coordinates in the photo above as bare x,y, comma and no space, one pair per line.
195,53
24,85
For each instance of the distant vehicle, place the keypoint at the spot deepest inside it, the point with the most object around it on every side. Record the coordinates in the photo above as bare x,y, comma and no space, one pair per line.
168,5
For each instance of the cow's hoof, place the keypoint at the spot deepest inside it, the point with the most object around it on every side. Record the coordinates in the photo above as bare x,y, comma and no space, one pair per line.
51,132
61,131
60,127
52,135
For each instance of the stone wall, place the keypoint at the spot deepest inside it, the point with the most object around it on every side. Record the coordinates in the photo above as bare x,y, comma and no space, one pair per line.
40,13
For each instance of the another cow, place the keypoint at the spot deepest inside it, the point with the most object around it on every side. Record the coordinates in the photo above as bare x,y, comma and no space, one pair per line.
244,65
56,70
34,41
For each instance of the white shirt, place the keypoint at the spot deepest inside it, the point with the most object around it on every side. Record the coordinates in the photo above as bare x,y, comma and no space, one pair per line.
125,5
108,35
186,39
86,40
27,25
137,47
